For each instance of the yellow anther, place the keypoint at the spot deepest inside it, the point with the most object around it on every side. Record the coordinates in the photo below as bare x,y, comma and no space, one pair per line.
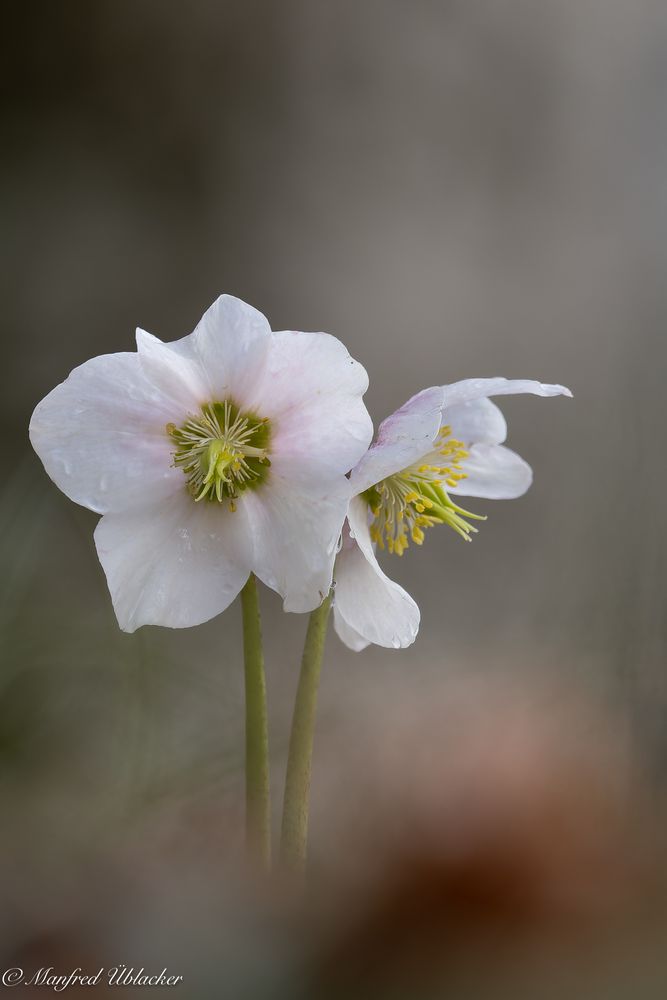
415,499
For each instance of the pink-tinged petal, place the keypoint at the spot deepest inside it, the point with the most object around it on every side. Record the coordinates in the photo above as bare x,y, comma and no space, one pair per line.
478,420
494,472
347,635
312,390
478,388
374,607
101,435
175,563
295,521
403,438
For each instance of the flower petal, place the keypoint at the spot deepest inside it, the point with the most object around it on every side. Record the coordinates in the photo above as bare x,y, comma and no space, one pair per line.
295,520
312,390
403,438
347,635
222,359
477,420
494,473
477,388
232,340
374,607
175,369
175,563
101,435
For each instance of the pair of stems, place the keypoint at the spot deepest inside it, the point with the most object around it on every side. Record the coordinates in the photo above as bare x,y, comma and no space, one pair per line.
294,833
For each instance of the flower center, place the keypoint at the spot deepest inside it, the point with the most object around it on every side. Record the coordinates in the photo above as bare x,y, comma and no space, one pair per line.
410,501
222,451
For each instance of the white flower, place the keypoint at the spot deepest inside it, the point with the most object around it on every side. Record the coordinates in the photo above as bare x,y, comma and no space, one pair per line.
212,457
444,442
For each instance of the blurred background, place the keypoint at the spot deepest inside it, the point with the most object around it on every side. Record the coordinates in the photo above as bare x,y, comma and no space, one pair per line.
454,189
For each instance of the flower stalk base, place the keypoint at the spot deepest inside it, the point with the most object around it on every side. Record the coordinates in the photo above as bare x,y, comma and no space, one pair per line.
258,799
294,834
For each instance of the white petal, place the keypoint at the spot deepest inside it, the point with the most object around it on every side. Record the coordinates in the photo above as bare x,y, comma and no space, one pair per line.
403,438
478,420
477,388
232,341
494,473
175,563
222,359
373,606
347,634
312,391
296,521
101,435
176,370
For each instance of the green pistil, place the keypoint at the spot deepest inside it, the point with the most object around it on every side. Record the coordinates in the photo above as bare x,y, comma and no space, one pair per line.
446,512
222,452
406,504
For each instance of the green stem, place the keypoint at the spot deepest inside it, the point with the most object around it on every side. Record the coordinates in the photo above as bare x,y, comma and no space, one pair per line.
297,782
258,802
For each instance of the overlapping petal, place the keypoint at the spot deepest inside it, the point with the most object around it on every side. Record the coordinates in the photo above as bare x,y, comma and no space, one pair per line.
174,562
295,524
224,357
401,440
371,607
476,420
232,341
311,390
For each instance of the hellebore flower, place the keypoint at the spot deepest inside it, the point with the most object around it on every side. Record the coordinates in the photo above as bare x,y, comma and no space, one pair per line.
446,441
217,455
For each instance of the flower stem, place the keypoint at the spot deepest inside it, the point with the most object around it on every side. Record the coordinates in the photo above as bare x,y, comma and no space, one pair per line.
297,782
258,802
